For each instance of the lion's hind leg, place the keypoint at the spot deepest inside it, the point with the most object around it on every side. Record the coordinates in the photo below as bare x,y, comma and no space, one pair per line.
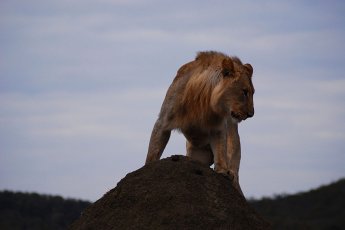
203,154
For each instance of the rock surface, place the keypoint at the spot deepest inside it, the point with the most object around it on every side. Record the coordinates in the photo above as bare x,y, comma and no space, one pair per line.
173,193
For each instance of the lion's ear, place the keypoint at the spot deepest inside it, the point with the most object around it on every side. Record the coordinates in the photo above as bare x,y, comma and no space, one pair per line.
228,68
249,69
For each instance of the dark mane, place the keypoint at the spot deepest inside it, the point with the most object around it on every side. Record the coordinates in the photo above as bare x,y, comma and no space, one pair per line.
209,54
206,56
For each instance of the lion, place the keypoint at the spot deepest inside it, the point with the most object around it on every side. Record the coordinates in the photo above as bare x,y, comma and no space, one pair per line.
207,99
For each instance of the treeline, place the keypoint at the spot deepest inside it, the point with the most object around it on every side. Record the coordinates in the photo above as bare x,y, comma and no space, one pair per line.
33,211
322,208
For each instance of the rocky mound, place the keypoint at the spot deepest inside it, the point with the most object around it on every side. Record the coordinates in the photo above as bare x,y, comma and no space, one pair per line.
173,193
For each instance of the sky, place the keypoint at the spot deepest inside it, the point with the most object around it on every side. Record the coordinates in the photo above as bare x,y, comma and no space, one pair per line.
82,82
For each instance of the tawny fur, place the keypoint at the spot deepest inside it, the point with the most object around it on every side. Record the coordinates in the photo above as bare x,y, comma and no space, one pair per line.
206,100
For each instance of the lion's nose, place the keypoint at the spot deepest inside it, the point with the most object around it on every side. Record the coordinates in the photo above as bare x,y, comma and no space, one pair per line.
251,113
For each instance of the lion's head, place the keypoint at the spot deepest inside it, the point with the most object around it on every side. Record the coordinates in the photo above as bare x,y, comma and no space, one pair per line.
219,86
238,89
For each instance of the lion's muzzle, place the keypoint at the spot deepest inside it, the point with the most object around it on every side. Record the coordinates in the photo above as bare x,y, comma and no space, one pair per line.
250,114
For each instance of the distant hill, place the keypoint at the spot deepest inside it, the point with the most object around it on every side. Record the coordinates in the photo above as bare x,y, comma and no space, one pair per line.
321,208
33,211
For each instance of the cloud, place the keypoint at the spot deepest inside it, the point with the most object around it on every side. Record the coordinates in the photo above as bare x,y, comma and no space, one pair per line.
68,129
61,114
305,112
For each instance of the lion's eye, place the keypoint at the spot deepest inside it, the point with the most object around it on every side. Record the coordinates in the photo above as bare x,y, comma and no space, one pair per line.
226,73
245,93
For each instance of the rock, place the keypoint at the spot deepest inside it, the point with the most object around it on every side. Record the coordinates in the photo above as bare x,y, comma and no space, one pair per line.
173,193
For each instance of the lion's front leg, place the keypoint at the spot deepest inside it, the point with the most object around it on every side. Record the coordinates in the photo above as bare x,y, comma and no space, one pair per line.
234,152
219,149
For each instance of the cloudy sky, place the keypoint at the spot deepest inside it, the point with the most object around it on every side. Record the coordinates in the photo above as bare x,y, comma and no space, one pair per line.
81,84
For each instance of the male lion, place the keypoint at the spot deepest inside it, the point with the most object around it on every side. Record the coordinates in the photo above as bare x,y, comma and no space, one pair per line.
207,99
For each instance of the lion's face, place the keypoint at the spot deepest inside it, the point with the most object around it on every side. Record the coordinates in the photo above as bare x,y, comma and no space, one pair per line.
240,96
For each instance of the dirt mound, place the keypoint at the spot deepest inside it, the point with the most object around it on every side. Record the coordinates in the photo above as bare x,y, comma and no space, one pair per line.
173,193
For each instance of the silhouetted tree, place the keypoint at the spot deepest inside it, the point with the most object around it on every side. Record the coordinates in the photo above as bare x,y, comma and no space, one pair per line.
322,208
33,211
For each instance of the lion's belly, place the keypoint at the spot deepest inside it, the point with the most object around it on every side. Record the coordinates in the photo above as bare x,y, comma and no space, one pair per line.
197,137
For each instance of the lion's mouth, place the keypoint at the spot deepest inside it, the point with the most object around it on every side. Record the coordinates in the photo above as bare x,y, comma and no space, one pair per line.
238,117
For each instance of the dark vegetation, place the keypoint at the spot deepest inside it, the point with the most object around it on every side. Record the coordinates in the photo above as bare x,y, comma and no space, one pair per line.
321,208
33,211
